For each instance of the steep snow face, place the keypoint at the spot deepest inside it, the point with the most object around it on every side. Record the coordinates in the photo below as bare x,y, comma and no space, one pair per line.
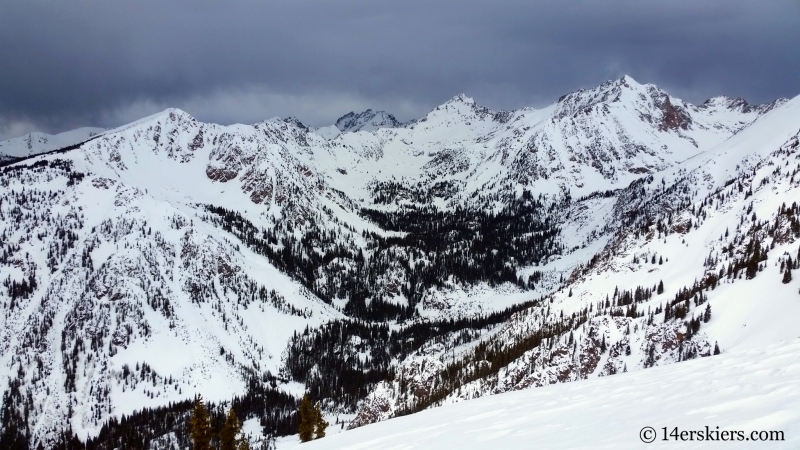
606,137
744,390
271,163
36,143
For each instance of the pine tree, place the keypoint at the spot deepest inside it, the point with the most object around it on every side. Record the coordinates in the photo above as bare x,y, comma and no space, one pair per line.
200,425
319,423
306,419
660,289
751,267
787,275
228,436
707,313
716,348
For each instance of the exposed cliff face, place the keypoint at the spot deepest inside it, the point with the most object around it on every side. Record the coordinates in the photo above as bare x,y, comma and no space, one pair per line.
673,118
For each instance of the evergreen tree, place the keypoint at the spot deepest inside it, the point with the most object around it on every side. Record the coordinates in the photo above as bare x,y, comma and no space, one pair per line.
787,275
228,436
200,425
306,417
319,423
660,289
751,267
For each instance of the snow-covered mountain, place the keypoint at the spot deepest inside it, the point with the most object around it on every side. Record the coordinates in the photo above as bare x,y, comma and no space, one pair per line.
388,268
35,143
368,120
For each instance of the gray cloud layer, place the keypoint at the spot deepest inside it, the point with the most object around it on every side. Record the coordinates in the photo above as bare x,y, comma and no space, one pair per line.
83,62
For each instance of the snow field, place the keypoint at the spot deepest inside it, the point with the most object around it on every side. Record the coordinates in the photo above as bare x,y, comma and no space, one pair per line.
747,390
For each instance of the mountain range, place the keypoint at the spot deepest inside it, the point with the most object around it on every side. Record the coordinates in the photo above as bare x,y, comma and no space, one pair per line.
384,268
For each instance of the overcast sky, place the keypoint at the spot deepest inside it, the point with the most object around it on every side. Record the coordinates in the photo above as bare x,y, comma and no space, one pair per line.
76,63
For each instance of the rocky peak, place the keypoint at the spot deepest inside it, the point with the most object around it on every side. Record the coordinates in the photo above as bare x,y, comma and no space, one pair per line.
368,120
461,98
296,122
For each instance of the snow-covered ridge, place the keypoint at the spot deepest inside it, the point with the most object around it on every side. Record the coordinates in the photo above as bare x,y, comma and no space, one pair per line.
35,143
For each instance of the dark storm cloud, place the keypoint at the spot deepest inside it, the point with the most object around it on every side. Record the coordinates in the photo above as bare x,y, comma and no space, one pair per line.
77,63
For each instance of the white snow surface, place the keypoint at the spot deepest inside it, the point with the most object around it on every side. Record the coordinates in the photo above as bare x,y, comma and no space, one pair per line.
745,390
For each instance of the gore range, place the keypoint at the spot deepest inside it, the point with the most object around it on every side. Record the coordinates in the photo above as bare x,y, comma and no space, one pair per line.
383,267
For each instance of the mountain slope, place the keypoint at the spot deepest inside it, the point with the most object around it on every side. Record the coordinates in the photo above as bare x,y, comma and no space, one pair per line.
610,412
646,299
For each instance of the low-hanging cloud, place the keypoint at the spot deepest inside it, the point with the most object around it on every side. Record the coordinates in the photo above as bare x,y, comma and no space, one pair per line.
69,64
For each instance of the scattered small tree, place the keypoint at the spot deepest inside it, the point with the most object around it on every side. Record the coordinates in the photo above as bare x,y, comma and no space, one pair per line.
787,275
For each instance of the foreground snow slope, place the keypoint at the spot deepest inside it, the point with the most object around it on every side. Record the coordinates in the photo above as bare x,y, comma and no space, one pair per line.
752,390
